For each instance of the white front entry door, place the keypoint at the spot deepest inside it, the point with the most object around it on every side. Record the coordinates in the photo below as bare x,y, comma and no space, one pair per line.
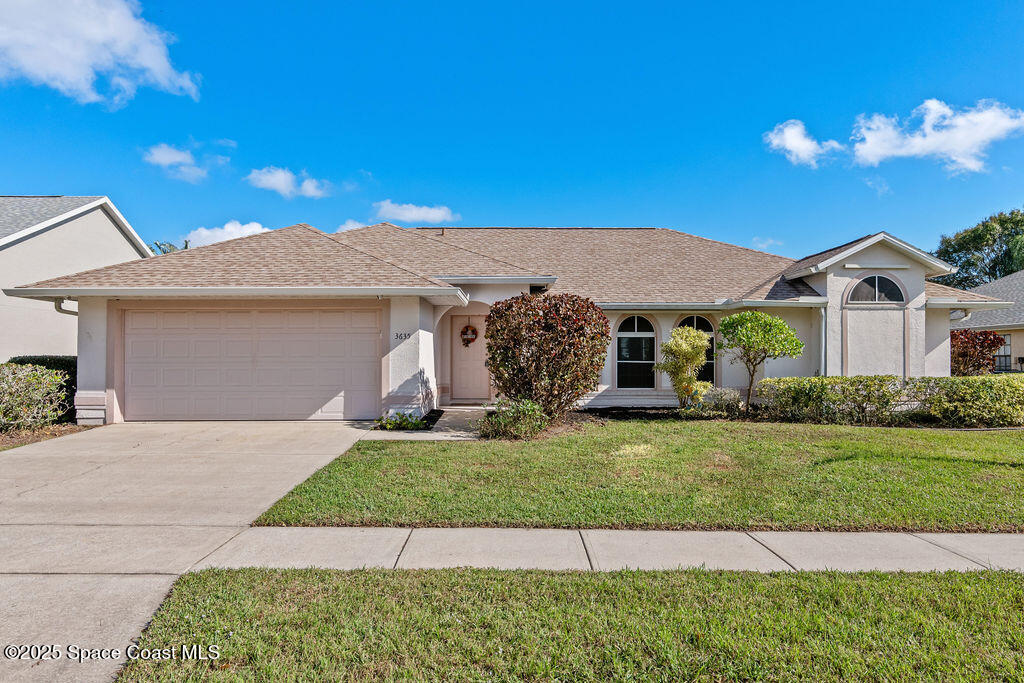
470,379
252,364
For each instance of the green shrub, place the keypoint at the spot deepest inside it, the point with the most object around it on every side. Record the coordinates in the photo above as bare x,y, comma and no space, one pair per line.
722,402
683,355
979,401
863,399
67,365
514,419
31,396
752,337
400,420
547,348
986,401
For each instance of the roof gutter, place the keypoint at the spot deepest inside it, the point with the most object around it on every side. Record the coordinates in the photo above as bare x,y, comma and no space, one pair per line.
497,279
449,294
717,305
951,303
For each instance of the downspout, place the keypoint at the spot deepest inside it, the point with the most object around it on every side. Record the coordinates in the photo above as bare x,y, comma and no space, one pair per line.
822,345
58,305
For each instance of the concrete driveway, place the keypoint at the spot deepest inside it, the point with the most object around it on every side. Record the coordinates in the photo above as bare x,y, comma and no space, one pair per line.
95,526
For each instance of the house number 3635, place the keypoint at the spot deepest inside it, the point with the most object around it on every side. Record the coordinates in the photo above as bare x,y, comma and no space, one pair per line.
402,335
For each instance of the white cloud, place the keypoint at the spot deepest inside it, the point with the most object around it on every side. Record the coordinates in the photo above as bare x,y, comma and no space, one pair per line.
765,243
69,45
228,231
226,142
411,213
350,224
959,138
878,184
286,183
179,163
791,138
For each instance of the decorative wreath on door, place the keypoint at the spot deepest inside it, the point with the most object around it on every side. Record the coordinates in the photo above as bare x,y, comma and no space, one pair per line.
468,335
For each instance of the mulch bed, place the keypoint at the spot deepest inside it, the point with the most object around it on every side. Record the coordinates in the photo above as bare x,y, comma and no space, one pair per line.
21,437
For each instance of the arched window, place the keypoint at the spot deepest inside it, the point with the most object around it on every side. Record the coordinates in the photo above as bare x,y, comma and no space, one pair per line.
699,322
876,289
634,359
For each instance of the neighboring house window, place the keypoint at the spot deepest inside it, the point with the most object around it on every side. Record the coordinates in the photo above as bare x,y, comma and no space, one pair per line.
635,353
877,289
699,322
1002,356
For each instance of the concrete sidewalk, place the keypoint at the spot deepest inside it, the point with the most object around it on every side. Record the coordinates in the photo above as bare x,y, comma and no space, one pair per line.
605,549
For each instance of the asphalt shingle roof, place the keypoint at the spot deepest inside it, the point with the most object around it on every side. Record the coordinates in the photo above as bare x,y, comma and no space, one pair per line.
296,256
626,265
629,264
21,213
1009,288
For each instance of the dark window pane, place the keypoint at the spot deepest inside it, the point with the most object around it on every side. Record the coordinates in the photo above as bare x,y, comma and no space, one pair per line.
636,348
636,375
628,325
697,322
889,290
864,291
707,373
643,325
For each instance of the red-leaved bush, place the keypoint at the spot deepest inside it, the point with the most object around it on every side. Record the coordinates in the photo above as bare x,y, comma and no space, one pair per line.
971,351
548,348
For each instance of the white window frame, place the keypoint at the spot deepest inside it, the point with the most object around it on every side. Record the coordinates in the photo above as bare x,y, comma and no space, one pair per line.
1008,355
653,334
875,302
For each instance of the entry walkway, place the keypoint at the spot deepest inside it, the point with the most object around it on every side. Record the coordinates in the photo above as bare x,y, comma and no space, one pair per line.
605,549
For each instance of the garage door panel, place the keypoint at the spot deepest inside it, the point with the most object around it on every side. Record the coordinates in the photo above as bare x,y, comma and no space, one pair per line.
245,365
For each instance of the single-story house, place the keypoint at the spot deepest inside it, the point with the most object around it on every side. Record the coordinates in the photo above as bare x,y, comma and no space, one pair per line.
300,324
1009,322
45,236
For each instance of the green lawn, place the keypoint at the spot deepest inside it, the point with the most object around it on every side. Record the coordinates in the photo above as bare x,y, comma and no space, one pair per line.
672,474
476,624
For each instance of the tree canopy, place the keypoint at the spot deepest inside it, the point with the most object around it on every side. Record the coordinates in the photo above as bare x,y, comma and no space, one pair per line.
992,249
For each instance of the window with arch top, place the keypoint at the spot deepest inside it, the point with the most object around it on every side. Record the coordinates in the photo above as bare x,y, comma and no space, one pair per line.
699,322
634,356
876,289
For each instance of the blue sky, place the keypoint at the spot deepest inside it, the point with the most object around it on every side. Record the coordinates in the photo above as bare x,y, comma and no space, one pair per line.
523,114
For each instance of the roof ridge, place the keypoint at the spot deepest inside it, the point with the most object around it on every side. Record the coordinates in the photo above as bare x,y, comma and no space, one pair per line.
729,244
459,246
839,246
337,240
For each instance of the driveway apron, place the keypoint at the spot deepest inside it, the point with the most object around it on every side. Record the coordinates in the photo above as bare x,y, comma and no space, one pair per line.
96,526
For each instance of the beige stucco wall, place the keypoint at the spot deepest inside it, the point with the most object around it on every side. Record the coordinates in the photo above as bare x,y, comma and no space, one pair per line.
866,339
33,327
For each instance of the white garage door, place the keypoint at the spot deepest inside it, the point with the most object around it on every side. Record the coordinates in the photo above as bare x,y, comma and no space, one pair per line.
296,364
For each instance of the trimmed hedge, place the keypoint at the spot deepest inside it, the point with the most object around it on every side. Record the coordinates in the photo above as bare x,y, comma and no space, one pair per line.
66,364
986,401
31,396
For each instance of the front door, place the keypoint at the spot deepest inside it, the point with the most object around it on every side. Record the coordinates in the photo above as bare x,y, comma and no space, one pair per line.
470,379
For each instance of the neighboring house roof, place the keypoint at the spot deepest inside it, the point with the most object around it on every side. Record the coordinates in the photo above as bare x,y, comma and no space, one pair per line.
295,260
631,265
22,216
818,262
1009,288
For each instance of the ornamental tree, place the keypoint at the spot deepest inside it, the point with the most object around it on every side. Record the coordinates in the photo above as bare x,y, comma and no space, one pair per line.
683,355
752,337
547,348
970,351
